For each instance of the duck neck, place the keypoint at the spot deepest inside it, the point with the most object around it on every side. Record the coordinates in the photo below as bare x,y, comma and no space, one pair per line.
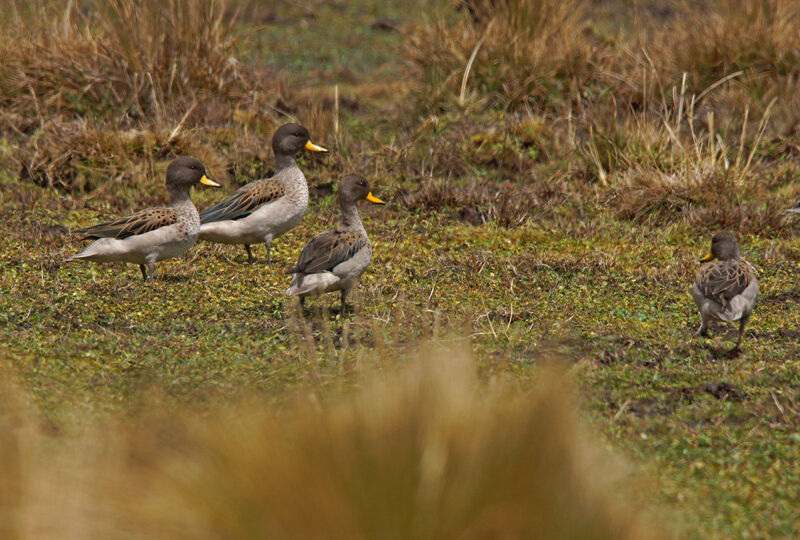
350,217
284,161
179,195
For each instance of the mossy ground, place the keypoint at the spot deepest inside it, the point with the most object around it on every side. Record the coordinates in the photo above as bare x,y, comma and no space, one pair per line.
607,297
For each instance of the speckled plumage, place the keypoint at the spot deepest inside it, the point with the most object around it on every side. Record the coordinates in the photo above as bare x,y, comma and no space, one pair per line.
722,281
266,221
335,260
139,223
245,200
725,287
154,234
267,208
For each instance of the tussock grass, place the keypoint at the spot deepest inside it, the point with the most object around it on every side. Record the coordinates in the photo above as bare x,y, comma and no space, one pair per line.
426,453
136,59
761,37
508,53
672,166
93,91
678,119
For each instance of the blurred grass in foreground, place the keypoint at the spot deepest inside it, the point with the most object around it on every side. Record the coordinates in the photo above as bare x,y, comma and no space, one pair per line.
426,453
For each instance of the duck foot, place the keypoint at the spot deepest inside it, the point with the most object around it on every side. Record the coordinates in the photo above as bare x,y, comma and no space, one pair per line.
733,353
148,272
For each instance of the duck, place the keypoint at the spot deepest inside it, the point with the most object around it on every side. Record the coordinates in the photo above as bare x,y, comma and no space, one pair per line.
725,287
264,209
794,209
335,259
154,234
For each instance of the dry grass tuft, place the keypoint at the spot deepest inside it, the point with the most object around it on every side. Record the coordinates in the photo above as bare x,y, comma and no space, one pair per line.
94,91
430,453
137,58
687,117
506,204
761,37
671,166
510,52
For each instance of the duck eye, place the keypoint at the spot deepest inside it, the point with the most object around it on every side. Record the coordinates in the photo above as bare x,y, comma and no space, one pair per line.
192,167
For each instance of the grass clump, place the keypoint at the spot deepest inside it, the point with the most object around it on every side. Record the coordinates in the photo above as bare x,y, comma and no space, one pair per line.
428,453
510,53
671,166
135,59
679,118
94,90
761,38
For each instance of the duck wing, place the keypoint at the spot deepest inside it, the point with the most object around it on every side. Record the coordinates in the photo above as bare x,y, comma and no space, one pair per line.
722,281
327,250
138,223
243,201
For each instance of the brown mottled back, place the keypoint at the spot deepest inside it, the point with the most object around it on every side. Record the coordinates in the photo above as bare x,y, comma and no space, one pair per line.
138,223
723,280
326,250
244,201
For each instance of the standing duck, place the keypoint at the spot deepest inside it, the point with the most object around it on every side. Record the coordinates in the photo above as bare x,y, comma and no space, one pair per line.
334,260
154,234
264,209
725,287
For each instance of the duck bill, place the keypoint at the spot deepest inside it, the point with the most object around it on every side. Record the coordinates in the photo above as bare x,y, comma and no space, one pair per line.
205,180
373,199
314,148
708,257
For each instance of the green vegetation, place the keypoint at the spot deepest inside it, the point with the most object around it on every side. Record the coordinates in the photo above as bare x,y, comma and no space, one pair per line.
551,212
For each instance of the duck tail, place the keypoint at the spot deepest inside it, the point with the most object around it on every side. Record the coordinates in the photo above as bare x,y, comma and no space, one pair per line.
80,255
296,288
311,283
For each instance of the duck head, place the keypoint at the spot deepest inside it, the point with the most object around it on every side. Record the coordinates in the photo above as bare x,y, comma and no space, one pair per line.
354,188
723,248
289,139
183,173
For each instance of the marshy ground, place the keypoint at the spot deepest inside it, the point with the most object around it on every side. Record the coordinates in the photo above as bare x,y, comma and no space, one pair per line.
548,207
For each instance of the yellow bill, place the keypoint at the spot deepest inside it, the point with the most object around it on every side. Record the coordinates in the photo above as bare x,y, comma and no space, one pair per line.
373,199
708,257
314,148
208,181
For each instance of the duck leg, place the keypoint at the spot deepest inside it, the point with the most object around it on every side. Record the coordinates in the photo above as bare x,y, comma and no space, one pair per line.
151,270
742,323
268,243
250,257
344,302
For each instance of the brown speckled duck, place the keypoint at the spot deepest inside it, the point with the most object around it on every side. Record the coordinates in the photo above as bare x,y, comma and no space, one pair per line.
335,260
154,234
725,287
264,209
